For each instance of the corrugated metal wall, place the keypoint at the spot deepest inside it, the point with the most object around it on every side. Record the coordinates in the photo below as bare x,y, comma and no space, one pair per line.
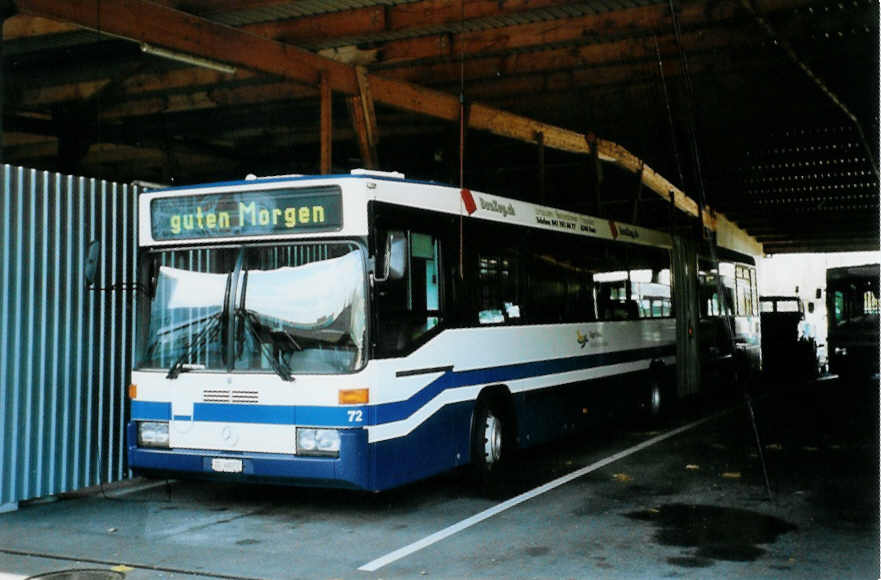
65,348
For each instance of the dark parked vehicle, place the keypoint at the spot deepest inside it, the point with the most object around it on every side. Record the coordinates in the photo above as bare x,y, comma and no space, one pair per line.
852,302
789,349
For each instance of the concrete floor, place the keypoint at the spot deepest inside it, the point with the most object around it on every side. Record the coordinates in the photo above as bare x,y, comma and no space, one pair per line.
693,505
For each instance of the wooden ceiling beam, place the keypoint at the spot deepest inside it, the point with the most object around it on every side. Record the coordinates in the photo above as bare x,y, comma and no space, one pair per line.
804,245
618,23
209,99
785,236
26,26
635,53
498,70
175,80
597,78
144,21
203,7
411,17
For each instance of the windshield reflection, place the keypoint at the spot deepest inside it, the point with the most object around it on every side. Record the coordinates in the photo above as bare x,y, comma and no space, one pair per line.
313,315
185,303
299,308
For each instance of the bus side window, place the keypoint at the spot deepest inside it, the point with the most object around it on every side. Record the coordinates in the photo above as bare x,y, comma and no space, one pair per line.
424,295
411,307
498,294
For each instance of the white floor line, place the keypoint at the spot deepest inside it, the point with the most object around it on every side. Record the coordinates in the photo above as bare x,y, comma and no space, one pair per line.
497,509
8,576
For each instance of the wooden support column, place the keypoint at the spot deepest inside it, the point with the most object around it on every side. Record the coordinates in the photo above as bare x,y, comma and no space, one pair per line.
367,104
2,79
364,120
359,124
6,10
596,171
540,140
326,125
638,197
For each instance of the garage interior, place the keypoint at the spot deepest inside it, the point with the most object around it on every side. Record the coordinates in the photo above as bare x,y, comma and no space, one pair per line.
759,118
765,111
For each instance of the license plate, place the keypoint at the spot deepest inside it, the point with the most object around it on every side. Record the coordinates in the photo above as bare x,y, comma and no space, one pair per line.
225,465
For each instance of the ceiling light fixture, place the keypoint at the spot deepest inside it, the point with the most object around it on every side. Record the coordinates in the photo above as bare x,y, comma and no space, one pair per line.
187,58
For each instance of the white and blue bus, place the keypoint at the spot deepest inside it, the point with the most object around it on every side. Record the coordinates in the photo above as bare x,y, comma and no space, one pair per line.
367,331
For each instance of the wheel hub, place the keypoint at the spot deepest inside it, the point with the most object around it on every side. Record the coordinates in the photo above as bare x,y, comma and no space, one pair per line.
655,403
492,437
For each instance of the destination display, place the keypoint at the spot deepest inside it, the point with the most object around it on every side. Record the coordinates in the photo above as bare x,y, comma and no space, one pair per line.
250,213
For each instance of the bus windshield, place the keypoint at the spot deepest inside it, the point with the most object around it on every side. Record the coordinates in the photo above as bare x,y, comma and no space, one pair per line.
297,308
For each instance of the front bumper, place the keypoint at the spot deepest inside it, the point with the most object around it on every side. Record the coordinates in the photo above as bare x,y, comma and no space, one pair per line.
349,470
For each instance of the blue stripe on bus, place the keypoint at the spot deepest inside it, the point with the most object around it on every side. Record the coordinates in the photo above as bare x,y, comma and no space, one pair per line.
280,414
452,379
151,410
267,414
388,412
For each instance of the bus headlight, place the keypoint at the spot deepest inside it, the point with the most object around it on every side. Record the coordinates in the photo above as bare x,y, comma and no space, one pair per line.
324,442
152,434
839,351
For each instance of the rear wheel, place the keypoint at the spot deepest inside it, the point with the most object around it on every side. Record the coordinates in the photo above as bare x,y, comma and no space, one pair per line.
654,399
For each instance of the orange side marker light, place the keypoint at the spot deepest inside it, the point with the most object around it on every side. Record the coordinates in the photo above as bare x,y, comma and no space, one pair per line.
354,396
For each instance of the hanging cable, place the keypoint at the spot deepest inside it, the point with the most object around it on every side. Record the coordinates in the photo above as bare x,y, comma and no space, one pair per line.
689,106
673,145
698,174
462,122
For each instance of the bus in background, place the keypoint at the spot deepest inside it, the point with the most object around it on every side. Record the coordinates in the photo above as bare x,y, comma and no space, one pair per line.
852,312
367,331
736,274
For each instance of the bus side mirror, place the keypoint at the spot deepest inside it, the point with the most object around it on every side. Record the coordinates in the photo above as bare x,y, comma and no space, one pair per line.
395,259
819,293
90,268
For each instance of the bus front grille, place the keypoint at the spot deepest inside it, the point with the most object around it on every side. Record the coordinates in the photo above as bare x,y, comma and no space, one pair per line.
227,396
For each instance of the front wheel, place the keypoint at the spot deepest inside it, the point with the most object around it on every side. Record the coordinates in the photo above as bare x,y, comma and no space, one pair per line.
492,436
487,440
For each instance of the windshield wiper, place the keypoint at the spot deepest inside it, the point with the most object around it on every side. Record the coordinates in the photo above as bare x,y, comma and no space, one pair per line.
158,338
212,326
279,366
189,323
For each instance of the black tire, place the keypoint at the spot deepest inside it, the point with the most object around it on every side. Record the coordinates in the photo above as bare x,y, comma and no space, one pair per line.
657,403
490,446
488,440
654,399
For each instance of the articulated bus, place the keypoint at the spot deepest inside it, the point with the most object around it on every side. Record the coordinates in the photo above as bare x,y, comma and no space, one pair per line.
733,353
366,331
852,312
